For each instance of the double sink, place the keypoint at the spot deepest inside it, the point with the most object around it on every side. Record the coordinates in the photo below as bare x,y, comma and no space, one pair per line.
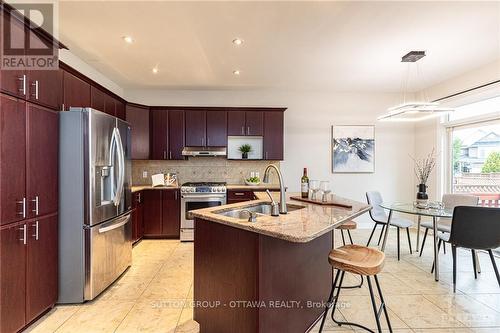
260,209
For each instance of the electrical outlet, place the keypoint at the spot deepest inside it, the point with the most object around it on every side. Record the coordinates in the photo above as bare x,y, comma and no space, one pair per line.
144,174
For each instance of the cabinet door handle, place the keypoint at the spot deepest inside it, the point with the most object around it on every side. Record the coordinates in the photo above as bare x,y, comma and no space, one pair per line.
242,130
248,130
170,154
139,197
239,193
164,154
36,201
175,195
36,230
36,85
23,87
266,155
23,211
23,228
202,142
208,141
63,106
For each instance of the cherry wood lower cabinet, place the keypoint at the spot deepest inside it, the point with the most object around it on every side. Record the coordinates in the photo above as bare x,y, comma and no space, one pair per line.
28,271
161,213
137,217
238,270
234,196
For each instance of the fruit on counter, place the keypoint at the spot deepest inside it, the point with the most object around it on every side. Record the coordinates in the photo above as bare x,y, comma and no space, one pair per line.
253,180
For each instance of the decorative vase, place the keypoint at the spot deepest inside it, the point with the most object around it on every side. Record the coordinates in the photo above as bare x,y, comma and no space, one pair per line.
244,156
422,197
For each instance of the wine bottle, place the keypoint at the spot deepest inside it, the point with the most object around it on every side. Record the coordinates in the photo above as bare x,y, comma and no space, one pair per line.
304,184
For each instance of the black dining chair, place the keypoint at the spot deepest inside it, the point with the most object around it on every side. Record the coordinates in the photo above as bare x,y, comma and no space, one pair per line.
475,228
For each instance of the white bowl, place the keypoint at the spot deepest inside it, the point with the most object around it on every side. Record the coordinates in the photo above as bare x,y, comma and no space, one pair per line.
250,183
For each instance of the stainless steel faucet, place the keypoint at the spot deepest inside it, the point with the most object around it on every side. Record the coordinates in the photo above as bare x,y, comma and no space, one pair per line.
283,209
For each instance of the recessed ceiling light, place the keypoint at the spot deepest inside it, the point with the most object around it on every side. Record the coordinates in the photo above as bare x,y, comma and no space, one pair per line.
237,41
128,39
236,72
155,70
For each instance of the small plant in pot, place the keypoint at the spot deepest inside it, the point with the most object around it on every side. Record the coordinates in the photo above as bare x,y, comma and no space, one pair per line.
245,149
423,169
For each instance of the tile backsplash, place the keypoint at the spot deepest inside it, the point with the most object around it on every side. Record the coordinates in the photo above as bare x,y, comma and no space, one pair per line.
201,169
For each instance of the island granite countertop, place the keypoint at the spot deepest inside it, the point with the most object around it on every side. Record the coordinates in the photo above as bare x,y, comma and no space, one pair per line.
298,226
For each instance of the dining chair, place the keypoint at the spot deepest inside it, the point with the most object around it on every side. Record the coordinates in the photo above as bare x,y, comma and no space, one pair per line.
450,201
475,228
379,216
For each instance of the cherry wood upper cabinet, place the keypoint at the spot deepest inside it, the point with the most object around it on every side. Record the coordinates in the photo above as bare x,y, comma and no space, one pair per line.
236,123
196,126
273,135
42,271
171,214
76,92
42,160
176,138
13,278
97,99
120,109
216,129
109,105
12,159
152,212
254,123
159,134
45,88
14,82
138,118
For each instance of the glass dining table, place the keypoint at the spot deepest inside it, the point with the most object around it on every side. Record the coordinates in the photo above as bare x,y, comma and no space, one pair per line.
409,208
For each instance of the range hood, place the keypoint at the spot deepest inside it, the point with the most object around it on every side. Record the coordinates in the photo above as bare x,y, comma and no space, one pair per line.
204,151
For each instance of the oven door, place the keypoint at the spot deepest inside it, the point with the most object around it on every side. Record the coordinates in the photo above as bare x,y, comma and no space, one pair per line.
191,202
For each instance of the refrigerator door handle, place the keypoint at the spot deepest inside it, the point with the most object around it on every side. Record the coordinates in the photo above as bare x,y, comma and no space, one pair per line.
117,224
121,168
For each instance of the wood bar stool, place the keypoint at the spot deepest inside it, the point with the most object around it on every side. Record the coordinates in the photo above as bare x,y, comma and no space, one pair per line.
349,225
360,260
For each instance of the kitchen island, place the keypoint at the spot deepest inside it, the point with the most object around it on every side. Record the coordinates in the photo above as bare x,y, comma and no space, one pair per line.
271,275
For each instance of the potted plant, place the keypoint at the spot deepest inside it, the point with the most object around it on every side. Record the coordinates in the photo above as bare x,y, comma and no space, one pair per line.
245,149
423,169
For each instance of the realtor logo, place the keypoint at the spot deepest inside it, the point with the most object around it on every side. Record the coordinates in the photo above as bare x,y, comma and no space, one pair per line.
28,37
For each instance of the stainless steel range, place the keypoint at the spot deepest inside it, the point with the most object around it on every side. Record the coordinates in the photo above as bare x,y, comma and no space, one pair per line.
197,196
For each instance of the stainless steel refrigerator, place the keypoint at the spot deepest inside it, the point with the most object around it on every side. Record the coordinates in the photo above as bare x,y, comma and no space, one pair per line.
95,232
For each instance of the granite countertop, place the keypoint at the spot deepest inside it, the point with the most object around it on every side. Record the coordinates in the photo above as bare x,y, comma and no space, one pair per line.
138,188
298,226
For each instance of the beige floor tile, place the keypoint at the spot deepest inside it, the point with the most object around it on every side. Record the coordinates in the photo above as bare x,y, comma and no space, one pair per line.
358,309
97,317
491,300
418,312
145,270
127,288
149,316
51,321
443,330
168,288
465,309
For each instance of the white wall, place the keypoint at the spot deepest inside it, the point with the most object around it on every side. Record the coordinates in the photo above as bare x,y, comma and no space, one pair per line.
308,123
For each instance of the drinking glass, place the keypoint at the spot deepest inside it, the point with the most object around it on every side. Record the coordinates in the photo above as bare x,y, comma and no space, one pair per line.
314,185
324,186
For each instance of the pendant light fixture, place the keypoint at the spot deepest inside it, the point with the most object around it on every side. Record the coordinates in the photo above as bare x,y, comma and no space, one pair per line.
414,110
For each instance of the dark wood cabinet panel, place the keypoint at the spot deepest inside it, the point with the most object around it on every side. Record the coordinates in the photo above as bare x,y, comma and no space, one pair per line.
137,217
138,118
76,92
159,134
120,109
152,212
171,214
12,278
13,82
236,123
234,196
176,128
42,273
254,123
45,87
216,128
196,125
109,105
273,135
42,160
12,158
97,99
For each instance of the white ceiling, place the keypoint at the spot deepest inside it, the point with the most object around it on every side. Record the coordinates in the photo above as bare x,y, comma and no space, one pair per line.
341,46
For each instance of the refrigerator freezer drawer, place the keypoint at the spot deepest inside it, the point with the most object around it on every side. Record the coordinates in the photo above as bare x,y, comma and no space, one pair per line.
108,250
